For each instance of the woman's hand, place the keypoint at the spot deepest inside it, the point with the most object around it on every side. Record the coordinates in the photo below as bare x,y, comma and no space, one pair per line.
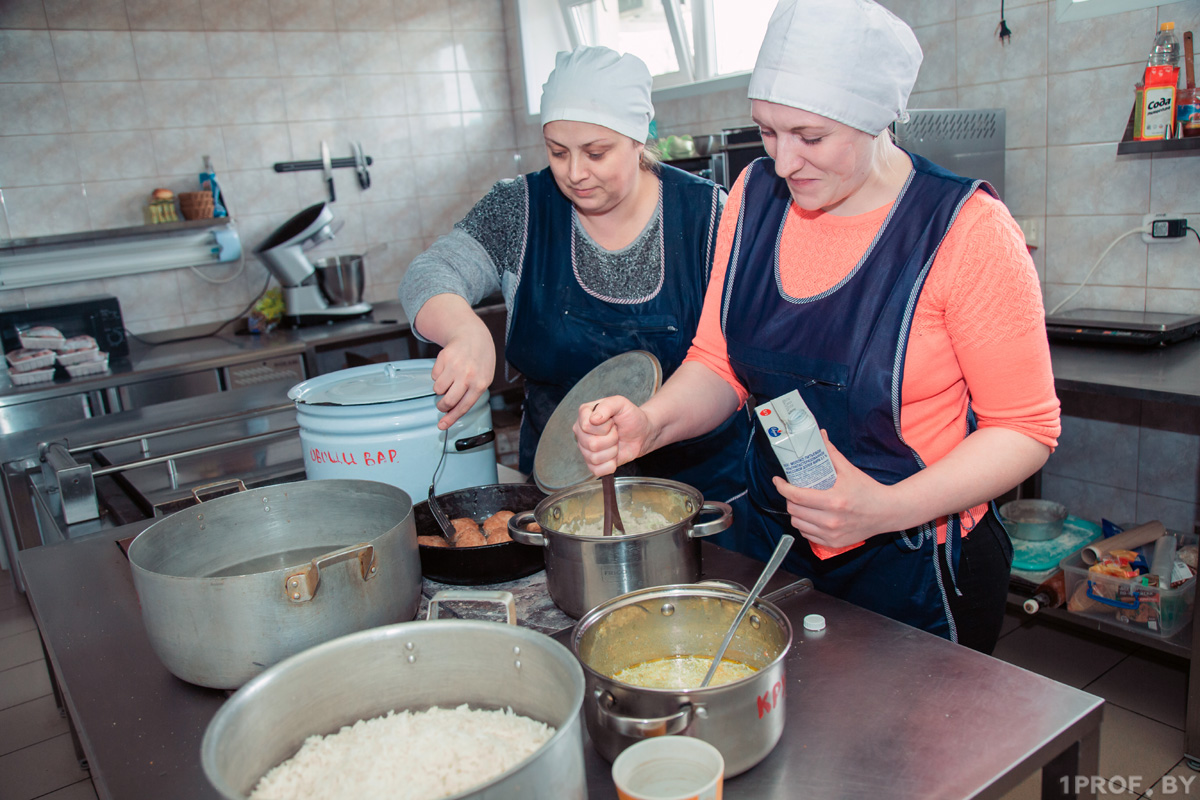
463,370
611,432
855,508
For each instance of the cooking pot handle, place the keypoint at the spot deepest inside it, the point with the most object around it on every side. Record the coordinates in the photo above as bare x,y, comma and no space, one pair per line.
300,586
516,529
712,526
474,595
474,441
196,492
636,728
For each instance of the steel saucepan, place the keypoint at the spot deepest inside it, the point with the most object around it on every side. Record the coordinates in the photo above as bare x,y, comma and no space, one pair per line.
232,585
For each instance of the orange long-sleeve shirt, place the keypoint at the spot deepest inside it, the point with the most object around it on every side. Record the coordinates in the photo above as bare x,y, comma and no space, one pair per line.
978,333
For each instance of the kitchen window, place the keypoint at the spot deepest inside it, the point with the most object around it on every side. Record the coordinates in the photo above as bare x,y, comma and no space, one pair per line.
685,43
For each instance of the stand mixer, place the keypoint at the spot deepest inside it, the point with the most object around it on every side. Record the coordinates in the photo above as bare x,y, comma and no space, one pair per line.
305,299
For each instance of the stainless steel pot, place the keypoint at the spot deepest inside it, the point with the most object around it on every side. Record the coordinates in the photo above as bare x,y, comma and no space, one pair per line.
583,571
413,665
232,585
341,279
743,719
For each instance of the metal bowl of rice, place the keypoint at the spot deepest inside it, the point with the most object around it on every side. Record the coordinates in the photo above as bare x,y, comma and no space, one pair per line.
428,673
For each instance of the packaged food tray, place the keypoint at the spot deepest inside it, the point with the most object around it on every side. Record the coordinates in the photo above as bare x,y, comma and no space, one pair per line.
28,360
98,365
69,357
77,343
1152,610
40,336
33,376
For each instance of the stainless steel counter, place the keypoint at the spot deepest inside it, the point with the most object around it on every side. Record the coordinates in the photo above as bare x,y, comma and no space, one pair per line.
874,708
1167,374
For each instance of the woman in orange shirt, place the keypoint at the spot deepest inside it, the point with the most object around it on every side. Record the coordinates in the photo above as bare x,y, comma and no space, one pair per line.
901,303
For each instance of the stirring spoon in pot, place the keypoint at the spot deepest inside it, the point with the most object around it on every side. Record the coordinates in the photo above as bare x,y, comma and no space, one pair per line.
612,514
777,557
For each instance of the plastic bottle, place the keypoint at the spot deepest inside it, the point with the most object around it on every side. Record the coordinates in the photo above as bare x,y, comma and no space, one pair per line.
1166,48
208,180
1154,111
1052,593
1163,561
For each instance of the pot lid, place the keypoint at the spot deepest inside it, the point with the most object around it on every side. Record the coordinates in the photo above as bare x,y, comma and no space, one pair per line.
558,464
373,383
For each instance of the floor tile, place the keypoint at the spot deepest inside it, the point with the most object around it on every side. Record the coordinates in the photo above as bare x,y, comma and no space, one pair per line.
1149,683
76,791
30,723
24,683
10,595
41,768
1182,781
16,619
24,648
1069,656
1136,751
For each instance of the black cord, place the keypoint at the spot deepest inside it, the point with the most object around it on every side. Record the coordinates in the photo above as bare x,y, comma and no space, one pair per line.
1194,232
211,333
1002,29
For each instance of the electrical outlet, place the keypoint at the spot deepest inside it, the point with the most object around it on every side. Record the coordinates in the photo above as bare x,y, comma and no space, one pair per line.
1149,219
1032,228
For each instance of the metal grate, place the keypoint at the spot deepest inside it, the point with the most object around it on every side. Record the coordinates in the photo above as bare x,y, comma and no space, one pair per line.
967,141
953,125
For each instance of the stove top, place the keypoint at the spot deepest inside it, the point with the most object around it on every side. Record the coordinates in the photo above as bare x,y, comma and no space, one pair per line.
1137,328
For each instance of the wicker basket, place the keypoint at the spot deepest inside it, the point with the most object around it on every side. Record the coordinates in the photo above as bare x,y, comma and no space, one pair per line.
196,205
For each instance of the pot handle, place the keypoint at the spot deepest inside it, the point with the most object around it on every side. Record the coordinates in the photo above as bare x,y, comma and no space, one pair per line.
196,492
474,595
712,526
301,586
516,529
634,727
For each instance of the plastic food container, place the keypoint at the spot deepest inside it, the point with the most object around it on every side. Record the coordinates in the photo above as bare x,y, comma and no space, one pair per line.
76,343
33,376
94,367
28,360
69,357
40,336
1152,610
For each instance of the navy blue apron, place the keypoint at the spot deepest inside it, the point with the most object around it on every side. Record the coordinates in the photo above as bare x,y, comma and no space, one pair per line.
558,332
843,350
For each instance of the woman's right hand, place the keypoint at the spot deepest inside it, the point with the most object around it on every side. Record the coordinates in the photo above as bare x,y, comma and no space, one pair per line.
611,432
463,370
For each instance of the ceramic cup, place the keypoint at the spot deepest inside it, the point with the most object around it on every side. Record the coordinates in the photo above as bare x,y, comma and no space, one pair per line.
669,768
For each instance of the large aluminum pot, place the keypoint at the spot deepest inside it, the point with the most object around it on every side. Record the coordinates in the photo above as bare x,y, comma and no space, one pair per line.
743,719
232,585
584,570
413,665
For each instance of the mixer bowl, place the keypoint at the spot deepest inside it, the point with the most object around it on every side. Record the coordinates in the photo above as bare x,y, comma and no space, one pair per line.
341,279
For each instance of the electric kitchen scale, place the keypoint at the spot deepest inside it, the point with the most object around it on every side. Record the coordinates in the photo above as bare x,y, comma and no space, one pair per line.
1139,328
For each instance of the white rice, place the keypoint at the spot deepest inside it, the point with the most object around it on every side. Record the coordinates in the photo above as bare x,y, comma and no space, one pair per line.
406,756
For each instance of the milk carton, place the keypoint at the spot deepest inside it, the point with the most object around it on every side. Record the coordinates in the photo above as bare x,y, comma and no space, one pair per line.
796,439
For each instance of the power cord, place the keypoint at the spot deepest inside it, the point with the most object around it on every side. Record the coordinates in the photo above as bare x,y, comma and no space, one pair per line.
214,331
1092,271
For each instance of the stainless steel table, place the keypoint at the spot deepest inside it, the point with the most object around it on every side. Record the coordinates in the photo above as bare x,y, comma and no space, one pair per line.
875,708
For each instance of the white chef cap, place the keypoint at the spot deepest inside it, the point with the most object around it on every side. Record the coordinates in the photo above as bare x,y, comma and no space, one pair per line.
849,60
600,86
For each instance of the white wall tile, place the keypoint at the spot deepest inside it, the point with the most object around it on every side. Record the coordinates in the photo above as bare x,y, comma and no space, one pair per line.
146,296
1117,298
481,51
23,14
94,55
182,103
392,178
302,15
109,106
256,146
488,130
1025,181
1024,101
164,15
307,53
96,15
1173,264
120,203
236,15
27,57
369,52
313,98
1075,122
421,15
375,95
1104,41
246,100
982,58
922,12
1091,501
1091,179
114,155
171,54
179,151
37,160
476,15
437,133
1073,245
242,54
484,91
939,64
384,137
440,212
1174,301
364,15
46,210
391,220
1175,185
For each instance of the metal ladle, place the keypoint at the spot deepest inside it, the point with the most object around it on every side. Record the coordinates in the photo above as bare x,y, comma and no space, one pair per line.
781,550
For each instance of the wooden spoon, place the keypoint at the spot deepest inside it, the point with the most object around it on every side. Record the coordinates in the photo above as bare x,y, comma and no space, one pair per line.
612,514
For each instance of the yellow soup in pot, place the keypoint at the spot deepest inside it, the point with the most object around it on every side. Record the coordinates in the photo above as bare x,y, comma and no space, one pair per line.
681,672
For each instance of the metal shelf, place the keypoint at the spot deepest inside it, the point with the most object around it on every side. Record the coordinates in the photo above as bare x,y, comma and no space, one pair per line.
1128,146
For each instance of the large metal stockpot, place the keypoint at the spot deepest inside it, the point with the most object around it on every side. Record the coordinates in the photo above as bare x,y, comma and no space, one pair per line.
584,570
232,585
743,719
413,665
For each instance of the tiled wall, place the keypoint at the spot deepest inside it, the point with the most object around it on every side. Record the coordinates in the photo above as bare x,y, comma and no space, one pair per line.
101,101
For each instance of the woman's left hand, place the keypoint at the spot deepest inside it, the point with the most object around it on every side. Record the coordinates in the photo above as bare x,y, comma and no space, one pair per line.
854,509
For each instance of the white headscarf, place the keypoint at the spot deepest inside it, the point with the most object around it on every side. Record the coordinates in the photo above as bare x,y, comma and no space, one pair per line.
600,86
849,60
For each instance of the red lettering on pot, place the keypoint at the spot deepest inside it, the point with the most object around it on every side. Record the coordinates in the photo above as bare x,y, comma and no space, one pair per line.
769,699
391,456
